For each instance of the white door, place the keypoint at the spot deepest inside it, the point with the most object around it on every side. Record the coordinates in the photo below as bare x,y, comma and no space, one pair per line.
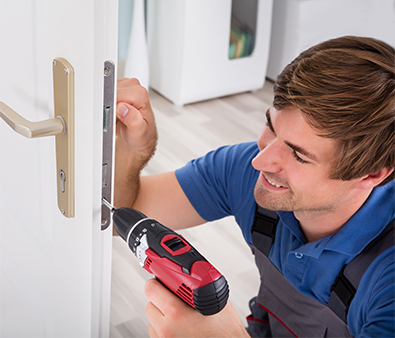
55,270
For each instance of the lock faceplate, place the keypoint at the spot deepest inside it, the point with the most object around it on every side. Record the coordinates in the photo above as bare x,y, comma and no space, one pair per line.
63,86
108,138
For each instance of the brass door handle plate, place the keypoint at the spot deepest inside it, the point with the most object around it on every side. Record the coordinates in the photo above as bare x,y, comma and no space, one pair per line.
29,129
62,126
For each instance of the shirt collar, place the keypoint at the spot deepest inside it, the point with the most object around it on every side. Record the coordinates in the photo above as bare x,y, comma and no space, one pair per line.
365,225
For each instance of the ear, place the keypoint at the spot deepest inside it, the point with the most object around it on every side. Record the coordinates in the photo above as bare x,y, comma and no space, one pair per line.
375,178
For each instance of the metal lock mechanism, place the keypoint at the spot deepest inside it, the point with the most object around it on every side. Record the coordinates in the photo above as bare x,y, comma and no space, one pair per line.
108,139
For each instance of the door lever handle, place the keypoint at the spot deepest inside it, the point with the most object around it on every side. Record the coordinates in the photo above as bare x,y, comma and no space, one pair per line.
53,126
62,126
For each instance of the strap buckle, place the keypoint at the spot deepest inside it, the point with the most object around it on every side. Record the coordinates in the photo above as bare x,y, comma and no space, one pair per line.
343,288
265,224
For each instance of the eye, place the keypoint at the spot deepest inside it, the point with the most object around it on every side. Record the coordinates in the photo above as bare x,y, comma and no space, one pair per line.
297,158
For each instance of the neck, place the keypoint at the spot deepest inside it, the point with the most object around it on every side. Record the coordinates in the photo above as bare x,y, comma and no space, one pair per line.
317,224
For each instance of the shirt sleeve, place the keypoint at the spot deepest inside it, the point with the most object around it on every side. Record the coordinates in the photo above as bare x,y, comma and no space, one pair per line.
221,183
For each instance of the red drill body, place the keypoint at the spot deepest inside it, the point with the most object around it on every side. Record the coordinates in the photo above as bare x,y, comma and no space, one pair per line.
176,263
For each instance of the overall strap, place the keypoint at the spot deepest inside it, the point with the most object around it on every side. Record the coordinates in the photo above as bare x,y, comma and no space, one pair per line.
264,229
346,284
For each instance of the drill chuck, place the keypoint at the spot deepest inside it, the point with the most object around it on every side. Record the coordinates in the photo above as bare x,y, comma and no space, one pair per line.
173,260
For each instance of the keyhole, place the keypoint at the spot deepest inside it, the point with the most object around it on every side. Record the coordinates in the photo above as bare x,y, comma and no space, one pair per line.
62,177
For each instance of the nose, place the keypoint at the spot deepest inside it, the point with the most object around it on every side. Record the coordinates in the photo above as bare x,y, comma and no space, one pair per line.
269,156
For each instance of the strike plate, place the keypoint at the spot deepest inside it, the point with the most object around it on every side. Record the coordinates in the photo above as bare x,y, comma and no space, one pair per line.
63,86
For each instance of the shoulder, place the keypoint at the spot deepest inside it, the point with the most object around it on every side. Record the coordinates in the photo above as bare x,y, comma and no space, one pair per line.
218,181
239,154
372,310
220,162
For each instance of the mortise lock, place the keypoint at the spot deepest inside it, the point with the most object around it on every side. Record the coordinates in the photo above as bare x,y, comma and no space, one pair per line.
108,137
62,126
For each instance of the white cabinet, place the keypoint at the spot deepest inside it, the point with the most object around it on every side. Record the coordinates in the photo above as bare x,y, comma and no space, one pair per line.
188,43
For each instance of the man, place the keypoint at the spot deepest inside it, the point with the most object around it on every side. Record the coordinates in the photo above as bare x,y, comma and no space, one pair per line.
324,162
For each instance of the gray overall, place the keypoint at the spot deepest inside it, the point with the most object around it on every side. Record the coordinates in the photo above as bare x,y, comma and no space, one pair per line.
280,310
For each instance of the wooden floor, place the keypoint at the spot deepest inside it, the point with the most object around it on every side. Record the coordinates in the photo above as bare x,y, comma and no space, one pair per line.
186,133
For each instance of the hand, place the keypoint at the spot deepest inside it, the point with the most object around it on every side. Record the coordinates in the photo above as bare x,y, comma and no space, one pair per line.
169,316
136,123
136,140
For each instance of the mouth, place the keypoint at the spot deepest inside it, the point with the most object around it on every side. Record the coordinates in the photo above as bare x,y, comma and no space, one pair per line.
270,184
274,184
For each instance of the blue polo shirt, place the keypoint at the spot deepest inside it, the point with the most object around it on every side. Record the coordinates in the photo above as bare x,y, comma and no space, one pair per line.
221,184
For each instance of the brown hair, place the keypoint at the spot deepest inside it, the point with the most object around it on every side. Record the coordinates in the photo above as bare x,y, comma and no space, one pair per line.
345,88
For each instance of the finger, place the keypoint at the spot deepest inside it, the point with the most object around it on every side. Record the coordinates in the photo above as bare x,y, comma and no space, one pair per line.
129,115
121,81
128,81
130,122
155,318
151,331
162,298
132,93
153,313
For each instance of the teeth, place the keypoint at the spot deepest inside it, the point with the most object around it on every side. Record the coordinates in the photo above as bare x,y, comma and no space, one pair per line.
273,184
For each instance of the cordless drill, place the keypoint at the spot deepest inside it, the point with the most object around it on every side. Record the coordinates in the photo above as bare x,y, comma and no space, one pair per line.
173,260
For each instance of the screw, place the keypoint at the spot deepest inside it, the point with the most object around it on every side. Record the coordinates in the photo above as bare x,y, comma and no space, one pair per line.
107,71
54,62
62,211
66,71
103,222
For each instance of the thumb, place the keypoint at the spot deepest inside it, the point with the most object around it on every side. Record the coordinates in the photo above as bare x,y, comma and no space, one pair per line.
122,110
128,115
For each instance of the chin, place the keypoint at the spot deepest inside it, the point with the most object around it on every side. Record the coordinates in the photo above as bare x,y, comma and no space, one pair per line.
265,200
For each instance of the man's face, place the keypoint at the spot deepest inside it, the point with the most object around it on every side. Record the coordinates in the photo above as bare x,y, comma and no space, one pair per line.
295,165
